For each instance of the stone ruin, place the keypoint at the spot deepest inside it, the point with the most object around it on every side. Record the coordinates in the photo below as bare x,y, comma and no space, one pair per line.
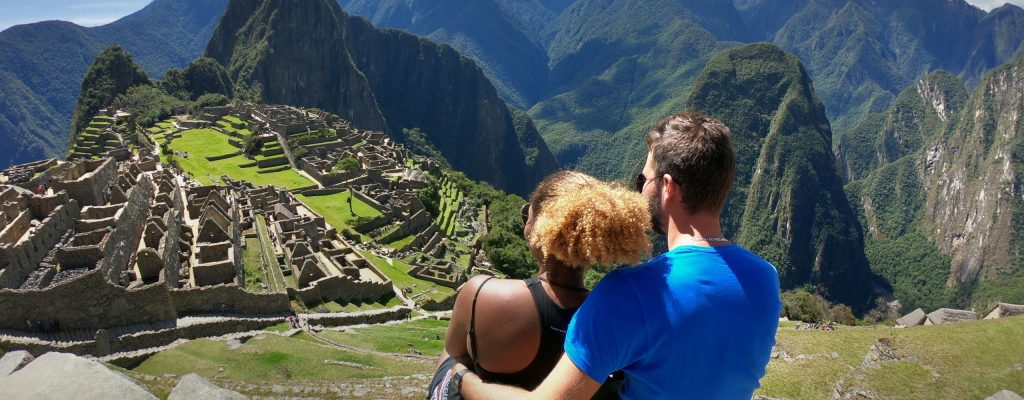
97,244
104,137
325,266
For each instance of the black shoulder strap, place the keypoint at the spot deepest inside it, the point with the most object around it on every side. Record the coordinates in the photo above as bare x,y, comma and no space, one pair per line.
472,325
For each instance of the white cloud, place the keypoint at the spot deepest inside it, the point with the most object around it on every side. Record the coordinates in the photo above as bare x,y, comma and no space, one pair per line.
988,5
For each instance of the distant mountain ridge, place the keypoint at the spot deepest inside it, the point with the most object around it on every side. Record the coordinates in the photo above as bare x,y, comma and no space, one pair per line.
614,66
311,53
42,64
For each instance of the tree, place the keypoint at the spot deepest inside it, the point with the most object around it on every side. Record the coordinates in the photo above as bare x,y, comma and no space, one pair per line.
347,164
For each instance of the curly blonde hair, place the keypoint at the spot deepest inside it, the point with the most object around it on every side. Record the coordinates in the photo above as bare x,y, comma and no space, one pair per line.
582,221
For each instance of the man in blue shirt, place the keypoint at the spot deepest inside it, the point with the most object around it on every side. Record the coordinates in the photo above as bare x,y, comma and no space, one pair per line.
696,322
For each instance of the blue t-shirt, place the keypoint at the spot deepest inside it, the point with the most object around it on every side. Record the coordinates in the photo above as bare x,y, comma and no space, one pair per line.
693,323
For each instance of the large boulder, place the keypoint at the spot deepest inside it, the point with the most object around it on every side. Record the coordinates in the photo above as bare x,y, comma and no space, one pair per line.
1005,395
194,387
61,376
916,317
14,361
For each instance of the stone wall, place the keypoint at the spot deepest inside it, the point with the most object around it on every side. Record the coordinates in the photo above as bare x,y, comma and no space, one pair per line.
124,240
19,260
236,300
417,223
359,318
340,288
87,181
86,302
170,248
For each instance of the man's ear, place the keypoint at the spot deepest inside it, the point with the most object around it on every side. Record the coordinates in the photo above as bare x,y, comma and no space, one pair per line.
671,190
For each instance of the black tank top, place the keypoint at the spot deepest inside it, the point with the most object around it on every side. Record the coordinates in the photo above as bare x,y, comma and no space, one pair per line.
554,320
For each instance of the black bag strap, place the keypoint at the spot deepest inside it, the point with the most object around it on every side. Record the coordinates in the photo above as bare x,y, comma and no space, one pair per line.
472,325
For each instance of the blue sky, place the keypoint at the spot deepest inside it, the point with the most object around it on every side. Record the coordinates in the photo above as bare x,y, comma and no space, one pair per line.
82,12
99,12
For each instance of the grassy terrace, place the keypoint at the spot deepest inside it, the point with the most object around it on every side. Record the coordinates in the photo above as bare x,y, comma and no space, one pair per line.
451,200
254,274
275,358
957,361
398,271
425,335
202,143
276,281
334,209
386,302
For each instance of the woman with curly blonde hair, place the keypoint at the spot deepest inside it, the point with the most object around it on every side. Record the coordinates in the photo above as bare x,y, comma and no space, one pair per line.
513,330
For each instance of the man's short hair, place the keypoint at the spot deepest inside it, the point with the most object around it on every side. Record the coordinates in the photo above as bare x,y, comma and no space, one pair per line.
696,150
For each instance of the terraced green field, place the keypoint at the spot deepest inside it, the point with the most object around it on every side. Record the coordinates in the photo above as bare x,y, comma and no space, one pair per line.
398,271
334,208
202,143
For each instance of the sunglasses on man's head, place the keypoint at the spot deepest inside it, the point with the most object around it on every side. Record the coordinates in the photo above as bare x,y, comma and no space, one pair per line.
641,181
526,213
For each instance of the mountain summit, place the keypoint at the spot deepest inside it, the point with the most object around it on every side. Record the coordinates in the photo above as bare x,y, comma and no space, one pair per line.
311,53
788,202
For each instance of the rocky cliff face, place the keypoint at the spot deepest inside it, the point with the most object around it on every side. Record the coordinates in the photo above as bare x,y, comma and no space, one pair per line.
310,53
975,181
937,181
789,202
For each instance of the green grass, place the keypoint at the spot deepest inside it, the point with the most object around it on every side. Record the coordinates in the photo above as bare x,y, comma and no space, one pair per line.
401,242
334,208
200,143
251,263
398,271
956,361
386,302
275,358
425,335
277,281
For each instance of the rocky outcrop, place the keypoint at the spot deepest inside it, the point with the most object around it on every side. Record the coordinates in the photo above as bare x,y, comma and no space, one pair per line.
312,54
975,178
65,376
194,387
13,361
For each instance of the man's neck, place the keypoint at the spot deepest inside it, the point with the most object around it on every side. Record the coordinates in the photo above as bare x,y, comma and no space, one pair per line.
695,229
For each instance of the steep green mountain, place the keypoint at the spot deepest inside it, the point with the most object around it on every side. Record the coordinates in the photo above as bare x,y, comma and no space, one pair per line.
789,202
484,30
202,76
111,75
939,190
311,53
615,66
42,64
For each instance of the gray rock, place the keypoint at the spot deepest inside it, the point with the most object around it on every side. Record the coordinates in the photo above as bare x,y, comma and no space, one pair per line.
1005,395
67,376
194,387
13,361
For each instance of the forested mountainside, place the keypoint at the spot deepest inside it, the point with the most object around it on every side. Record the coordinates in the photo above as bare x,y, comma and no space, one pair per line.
42,64
788,203
940,189
313,54
615,66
